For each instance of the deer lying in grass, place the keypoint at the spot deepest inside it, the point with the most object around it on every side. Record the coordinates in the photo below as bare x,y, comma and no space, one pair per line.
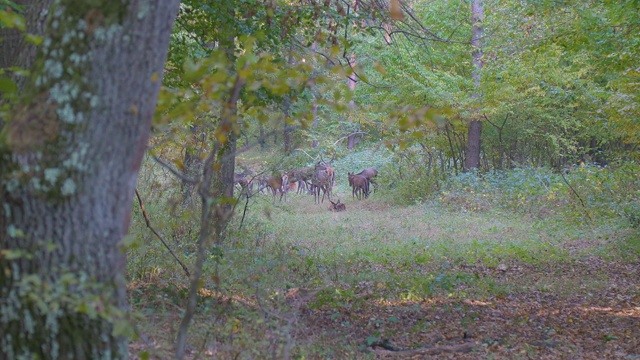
369,173
337,206
279,185
359,186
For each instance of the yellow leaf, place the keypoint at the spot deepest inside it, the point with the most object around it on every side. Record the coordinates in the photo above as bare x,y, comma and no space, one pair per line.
222,137
394,10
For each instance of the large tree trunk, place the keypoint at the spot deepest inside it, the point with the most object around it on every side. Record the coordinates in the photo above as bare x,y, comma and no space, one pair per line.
68,171
472,158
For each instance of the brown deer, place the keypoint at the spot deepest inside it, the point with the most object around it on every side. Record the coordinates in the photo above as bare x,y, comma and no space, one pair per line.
326,166
302,176
320,182
337,206
245,182
359,186
279,185
369,173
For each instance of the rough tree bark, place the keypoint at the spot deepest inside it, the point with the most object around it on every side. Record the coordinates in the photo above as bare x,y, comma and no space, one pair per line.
472,158
69,161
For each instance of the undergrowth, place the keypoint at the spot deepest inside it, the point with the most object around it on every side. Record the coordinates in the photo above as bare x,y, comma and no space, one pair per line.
460,239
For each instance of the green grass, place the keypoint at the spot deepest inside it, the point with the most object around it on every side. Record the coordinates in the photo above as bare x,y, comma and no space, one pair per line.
373,251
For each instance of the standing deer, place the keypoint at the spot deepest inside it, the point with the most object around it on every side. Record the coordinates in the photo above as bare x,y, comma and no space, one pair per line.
359,186
369,173
246,183
323,165
320,183
279,185
302,176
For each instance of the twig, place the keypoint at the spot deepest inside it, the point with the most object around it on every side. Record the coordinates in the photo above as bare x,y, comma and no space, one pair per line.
175,172
351,134
146,219
577,195
312,158
244,212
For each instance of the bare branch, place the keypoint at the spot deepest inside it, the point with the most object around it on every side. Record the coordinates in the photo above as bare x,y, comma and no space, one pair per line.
310,157
351,134
148,222
175,172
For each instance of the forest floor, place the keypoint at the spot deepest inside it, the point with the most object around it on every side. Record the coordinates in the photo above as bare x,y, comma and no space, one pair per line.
418,283
536,324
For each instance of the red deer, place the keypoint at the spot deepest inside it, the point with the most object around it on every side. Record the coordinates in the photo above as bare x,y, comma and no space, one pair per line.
359,186
246,183
332,178
320,183
337,206
302,177
293,185
323,165
279,185
369,174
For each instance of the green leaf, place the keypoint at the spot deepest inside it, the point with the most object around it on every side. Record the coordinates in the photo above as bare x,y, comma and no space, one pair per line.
34,39
11,20
122,328
7,85
371,339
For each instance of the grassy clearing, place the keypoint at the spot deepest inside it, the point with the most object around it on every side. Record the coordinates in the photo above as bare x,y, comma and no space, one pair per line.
300,281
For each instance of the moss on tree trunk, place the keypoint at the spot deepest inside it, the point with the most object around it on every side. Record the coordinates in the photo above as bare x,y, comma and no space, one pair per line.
70,160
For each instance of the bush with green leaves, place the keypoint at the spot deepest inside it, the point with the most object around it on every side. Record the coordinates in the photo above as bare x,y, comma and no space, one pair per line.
581,194
411,176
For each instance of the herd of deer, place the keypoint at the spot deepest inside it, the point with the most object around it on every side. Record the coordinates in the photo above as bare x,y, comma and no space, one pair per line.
316,180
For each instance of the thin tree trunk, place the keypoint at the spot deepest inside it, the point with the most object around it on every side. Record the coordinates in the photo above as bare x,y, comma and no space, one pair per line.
262,140
351,80
217,187
472,159
287,130
314,124
192,164
68,172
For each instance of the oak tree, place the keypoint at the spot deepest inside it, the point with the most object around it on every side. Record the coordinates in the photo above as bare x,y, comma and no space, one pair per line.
71,147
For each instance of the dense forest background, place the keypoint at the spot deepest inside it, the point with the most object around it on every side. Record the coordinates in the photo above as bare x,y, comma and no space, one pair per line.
502,223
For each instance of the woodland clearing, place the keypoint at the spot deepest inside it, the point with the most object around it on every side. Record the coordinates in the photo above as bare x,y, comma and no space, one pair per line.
386,281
